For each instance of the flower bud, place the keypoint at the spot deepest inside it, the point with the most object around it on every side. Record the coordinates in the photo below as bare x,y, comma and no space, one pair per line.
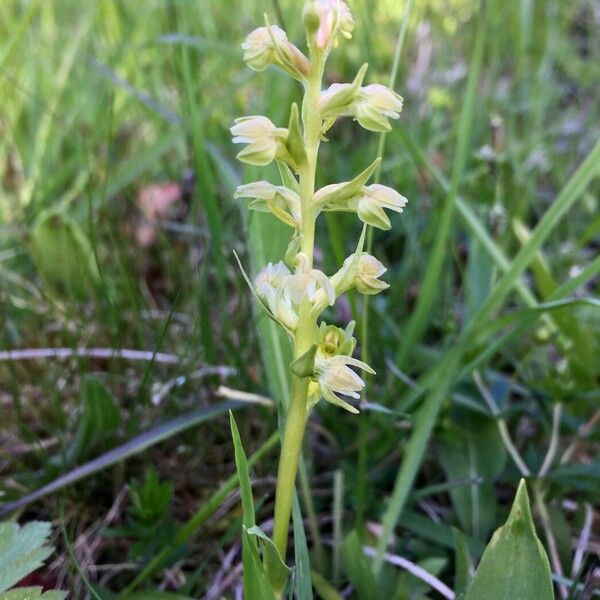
371,201
375,104
279,200
335,17
269,45
332,340
265,141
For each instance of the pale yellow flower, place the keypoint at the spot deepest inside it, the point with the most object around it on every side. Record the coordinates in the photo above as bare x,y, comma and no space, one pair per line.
269,45
372,201
335,377
282,202
264,140
374,105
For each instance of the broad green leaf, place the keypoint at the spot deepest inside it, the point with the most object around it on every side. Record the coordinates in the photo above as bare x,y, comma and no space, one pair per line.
467,453
514,564
358,568
302,581
33,593
22,550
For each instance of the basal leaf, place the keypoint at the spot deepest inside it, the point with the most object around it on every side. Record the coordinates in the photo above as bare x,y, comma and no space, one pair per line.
514,564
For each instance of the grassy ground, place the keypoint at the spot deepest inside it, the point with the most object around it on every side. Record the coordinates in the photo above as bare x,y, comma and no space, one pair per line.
117,228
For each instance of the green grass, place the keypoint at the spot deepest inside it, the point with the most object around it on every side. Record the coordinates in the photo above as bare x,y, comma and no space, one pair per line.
493,269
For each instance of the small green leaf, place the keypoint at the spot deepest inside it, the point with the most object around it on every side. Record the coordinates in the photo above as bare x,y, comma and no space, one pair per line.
514,564
304,366
22,550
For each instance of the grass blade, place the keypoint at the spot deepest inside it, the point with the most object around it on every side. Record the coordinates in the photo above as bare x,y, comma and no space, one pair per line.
444,374
302,572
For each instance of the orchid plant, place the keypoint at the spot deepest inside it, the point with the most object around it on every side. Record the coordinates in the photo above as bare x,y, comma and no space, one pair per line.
293,292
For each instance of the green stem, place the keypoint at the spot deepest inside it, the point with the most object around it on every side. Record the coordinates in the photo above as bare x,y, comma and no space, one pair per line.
297,414
288,463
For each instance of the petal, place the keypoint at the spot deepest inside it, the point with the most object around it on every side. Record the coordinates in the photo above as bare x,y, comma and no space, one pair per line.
257,189
355,363
333,399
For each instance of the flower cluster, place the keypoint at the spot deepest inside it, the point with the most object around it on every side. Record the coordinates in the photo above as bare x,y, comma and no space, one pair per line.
293,292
